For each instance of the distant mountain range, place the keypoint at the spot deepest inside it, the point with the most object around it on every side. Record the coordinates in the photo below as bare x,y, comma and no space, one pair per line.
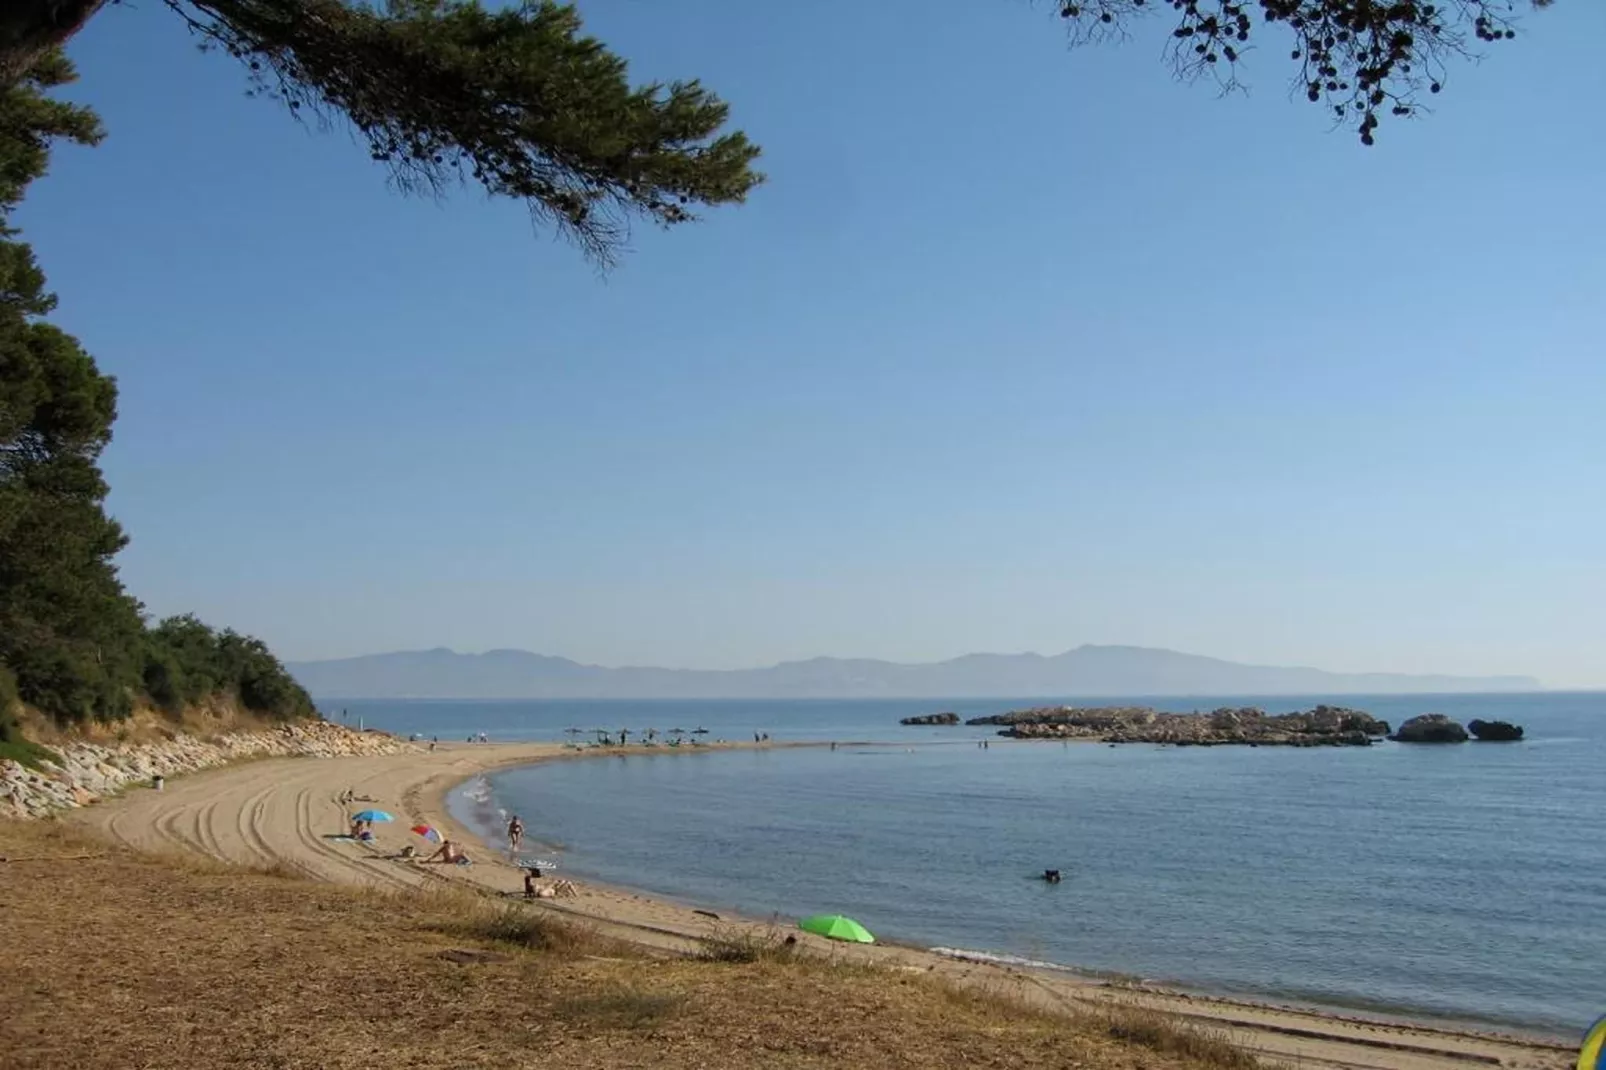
1086,671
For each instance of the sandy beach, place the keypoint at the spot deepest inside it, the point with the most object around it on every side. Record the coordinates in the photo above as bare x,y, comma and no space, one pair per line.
288,812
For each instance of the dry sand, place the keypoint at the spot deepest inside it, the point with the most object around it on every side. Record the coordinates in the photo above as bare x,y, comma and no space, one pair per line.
286,811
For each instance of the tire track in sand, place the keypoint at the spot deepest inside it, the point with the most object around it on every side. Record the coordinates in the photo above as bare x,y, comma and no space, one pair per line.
313,843
206,819
250,819
166,828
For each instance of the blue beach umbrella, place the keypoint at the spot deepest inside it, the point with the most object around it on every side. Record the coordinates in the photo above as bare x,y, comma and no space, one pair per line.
372,815
1592,1056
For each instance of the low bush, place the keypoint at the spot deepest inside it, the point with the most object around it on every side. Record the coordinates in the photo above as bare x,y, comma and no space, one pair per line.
741,944
1168,1035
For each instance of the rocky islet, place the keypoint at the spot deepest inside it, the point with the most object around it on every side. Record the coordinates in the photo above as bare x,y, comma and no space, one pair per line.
1430,728
931,718
1321,726
1494,731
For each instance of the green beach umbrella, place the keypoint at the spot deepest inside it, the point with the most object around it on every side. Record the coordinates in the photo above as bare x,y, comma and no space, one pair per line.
836,927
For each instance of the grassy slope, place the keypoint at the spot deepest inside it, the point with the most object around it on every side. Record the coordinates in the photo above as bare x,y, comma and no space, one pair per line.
119,960
27,752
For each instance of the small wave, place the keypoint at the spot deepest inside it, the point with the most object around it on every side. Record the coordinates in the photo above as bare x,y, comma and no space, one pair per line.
998,958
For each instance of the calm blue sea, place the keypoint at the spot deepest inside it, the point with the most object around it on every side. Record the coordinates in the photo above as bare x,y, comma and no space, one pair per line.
1464,882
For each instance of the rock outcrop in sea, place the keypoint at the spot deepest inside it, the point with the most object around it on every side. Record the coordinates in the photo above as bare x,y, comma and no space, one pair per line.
88,771
1323,726
1494,731
932,718
1430,728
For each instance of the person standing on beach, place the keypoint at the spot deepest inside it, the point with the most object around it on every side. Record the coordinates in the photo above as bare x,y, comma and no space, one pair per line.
515,833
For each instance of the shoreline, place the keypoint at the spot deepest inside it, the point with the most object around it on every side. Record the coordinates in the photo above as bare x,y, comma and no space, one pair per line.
285,812
1392,1017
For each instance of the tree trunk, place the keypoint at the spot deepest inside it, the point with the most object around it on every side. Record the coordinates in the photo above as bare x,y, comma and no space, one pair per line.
30,28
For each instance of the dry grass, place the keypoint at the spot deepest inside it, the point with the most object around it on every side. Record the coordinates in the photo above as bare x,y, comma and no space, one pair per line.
113,960
1172,1036
515,924
629,1006
146,725
744,944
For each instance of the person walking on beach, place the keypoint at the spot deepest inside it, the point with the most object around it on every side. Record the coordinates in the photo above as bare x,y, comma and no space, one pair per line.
515,833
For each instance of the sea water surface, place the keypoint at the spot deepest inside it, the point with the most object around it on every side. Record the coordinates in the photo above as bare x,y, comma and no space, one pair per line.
1464,882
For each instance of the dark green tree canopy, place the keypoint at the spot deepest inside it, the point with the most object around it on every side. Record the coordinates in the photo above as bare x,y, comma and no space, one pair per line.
518,100
73,643
1359,58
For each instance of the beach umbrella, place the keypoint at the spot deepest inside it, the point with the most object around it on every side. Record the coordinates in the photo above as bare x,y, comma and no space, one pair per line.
1593,1054
428,833
836,927
372,815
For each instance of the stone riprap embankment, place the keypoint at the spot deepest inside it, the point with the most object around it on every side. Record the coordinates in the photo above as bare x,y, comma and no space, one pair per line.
89,771
1324,726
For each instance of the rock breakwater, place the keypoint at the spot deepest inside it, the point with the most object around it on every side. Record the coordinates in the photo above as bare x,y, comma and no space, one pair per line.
1323,726
89,771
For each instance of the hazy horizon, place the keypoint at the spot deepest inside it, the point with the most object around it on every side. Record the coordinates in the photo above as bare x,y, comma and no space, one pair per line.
1090,670
1019,347
1338,670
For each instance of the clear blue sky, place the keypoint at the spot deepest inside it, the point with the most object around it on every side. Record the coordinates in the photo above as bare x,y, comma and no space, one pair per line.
1019,348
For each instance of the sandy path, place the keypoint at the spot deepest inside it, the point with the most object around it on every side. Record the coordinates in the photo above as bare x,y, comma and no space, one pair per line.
285,811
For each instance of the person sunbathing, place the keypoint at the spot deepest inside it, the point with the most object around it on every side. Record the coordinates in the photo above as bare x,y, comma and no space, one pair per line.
448,854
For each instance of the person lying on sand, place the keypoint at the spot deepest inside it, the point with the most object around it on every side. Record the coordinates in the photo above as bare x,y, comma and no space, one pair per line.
558,889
